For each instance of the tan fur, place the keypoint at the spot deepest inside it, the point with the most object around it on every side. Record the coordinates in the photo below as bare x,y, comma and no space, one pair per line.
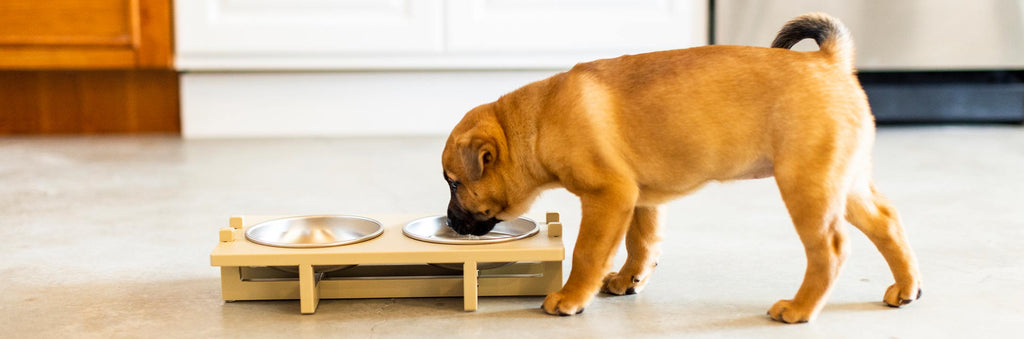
630,133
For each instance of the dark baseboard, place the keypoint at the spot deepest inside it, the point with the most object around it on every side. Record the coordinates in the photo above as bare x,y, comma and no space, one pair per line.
945,97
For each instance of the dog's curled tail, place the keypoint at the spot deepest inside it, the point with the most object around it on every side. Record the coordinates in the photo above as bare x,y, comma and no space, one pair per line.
831,35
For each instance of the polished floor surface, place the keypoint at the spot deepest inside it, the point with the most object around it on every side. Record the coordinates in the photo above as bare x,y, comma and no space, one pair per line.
111,236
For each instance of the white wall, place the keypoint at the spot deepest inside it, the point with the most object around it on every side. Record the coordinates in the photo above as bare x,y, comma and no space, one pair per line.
337,103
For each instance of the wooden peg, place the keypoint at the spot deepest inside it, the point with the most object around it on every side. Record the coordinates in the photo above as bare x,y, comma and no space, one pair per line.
227,234
551,217
554,229
236,222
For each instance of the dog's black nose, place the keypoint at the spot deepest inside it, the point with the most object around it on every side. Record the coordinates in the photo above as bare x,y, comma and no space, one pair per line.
458,222
464,223
481,227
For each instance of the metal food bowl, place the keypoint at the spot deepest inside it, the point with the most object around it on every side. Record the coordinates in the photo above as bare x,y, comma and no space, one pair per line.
435,229
314,231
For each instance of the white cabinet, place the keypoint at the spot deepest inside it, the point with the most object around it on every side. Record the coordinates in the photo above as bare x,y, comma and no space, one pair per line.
563,26
427,34
267,27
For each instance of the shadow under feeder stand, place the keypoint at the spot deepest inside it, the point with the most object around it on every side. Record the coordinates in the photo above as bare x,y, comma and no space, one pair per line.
391,265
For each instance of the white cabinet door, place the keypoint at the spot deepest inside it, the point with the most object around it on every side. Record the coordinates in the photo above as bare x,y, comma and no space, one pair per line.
573,26
241,35
307,27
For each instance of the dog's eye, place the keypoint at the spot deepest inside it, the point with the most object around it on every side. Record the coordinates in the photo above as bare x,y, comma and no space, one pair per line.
452,184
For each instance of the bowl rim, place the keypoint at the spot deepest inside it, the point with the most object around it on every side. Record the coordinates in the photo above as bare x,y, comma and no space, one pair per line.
372,235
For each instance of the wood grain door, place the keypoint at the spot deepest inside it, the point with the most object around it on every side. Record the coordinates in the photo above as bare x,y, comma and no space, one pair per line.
80,34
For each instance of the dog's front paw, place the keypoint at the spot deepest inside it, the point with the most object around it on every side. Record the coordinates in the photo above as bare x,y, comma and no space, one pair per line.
897,295
563,304
619,284
786,311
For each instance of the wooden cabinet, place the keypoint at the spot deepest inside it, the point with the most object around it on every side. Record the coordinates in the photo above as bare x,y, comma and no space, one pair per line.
94,34
96,66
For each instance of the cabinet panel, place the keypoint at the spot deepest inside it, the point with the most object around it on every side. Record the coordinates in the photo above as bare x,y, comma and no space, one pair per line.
528,26
89,102
310,27
244,35
95,34
67,22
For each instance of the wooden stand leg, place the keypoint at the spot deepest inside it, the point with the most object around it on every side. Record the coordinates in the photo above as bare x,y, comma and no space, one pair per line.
553,275
230,283
470,285
309,293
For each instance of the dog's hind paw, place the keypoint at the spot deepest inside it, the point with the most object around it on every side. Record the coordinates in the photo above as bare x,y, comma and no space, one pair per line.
896,296
617,284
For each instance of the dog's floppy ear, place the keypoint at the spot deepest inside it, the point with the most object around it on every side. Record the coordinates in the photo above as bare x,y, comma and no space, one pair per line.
478,153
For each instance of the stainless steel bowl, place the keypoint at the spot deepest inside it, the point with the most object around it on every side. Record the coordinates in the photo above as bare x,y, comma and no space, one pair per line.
435,229
314,231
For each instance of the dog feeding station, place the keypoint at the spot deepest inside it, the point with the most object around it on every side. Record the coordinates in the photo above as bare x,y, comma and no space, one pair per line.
388,256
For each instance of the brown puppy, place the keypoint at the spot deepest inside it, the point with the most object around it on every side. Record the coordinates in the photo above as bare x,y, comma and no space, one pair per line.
630,133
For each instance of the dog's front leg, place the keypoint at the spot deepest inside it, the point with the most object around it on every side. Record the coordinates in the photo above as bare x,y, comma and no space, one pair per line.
606,215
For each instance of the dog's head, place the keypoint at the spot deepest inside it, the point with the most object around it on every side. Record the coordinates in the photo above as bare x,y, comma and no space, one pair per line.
485,183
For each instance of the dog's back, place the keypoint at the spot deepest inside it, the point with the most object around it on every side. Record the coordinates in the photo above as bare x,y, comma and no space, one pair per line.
727,109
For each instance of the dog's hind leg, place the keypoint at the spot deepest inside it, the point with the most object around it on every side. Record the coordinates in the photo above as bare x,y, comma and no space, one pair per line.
871,212
814,197
643,245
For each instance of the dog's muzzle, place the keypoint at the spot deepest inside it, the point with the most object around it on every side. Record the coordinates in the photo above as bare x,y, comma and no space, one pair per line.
464,222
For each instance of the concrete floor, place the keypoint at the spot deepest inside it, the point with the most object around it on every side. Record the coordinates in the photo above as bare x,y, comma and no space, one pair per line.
110,237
